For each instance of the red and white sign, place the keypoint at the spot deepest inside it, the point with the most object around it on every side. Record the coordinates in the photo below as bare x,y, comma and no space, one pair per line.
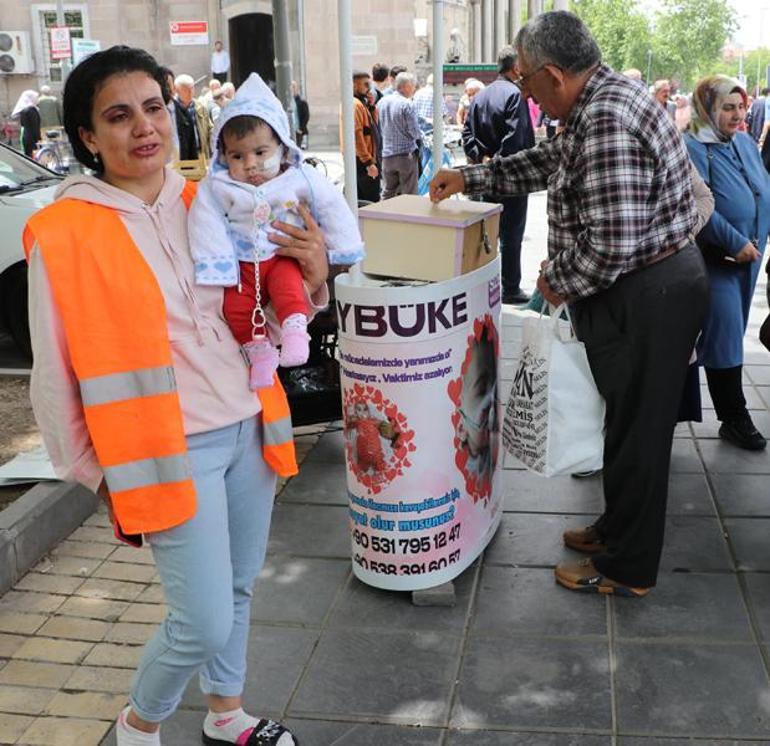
186,33
60,43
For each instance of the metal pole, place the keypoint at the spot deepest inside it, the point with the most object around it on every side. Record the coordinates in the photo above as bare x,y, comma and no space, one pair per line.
302,66
438,83
533,9
346,89
561,4
649,66
283,60
62,22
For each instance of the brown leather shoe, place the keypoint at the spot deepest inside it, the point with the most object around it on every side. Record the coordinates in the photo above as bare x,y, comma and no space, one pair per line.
583,576
585,540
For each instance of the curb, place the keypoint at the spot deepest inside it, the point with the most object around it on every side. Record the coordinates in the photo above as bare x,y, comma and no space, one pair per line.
38,520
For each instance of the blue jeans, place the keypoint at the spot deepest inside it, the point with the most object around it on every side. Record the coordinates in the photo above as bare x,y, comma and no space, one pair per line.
208,566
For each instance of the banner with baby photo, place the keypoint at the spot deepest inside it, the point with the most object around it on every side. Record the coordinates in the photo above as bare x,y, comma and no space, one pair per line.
419,368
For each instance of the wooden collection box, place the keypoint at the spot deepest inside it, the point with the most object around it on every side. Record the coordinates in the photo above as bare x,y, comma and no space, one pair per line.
410,237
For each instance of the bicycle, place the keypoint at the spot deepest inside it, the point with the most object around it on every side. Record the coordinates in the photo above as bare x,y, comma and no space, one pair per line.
54,152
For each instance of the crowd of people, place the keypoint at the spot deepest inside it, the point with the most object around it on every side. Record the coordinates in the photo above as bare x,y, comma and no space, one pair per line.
193,116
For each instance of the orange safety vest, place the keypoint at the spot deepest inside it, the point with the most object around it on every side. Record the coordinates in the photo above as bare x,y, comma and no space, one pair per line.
113,315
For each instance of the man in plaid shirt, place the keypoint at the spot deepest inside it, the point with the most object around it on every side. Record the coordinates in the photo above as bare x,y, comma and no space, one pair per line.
621,253
400,135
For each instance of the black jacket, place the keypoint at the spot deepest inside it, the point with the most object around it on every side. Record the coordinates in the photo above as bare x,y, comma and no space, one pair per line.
498,122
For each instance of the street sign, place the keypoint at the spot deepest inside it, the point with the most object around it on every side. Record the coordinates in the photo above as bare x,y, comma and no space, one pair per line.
189,33
60,43
82,48
457,73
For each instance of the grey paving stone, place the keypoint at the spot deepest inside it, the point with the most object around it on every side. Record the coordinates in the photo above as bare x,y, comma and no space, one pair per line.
362,606
396,677
717,691
709,428
759,374
276,658
724,458
749,537
684,457
310,531
529,539
688,494
759,597
541,683
753,400
512,601
330,449
742,494
695,544
530,492
508,738
686,605
326,733
297,590
317,482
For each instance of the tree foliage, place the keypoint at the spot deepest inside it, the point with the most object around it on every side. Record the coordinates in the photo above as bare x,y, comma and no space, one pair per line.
683,40
622,32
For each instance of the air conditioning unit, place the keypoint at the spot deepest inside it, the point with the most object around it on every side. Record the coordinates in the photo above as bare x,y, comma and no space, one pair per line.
16,53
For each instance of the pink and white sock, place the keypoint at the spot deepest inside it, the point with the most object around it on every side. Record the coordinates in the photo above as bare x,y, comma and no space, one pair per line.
227,726
127,735
295,348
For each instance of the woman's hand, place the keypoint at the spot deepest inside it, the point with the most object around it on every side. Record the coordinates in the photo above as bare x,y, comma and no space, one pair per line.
445,183
749,253
306,245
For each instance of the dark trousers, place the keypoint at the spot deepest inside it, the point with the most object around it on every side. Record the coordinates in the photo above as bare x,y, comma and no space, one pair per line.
512,223
726,389
221,77
368,188
639,335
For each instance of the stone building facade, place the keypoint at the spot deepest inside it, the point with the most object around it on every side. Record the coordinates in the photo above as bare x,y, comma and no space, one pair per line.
389,31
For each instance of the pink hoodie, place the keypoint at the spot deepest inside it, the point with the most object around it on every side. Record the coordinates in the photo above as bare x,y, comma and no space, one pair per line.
211,373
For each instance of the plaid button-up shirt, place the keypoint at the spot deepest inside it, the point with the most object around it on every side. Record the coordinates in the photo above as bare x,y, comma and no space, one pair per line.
398,123
618,180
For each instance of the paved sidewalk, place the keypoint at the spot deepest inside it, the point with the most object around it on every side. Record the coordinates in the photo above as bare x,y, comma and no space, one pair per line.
518,660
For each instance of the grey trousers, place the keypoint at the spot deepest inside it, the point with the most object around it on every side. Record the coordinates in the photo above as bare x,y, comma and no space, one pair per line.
399,175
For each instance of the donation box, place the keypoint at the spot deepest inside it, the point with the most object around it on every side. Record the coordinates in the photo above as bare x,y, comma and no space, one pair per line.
419,366
411,237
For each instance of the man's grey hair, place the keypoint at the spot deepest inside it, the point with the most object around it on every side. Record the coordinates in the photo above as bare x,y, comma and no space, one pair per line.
403,79
558,38
184,80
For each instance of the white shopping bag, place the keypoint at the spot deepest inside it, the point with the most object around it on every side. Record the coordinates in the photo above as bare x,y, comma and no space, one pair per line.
554,422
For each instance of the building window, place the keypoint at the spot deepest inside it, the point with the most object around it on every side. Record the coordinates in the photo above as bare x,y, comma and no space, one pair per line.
44,19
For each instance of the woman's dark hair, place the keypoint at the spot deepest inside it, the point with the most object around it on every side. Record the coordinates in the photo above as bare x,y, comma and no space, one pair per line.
83,85
240,126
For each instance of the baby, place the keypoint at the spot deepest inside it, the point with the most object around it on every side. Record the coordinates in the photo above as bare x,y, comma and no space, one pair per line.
256,176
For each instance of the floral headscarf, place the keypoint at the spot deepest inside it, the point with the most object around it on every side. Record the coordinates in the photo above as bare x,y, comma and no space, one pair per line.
707,102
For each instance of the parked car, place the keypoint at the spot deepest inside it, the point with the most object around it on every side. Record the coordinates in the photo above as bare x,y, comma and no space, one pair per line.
25,187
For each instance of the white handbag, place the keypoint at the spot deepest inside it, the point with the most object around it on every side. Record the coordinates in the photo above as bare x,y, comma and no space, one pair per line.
554,421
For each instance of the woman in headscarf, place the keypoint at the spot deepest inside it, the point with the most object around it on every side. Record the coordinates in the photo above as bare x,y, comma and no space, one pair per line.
27,113
732,241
